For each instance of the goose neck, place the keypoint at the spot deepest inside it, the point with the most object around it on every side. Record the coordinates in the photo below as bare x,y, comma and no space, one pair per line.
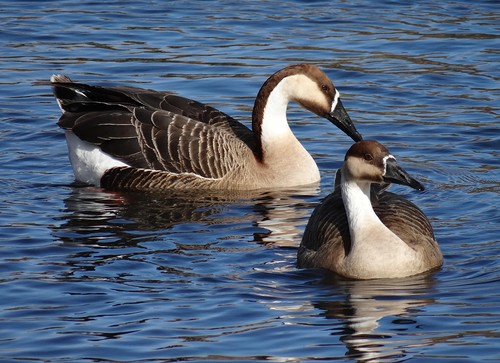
358,207
269,121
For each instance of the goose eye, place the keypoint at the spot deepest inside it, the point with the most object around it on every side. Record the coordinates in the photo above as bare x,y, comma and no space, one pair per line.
368,157
324,87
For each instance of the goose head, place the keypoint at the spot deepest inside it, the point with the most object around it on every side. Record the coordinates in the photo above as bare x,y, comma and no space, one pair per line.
371,162
306,85
314,91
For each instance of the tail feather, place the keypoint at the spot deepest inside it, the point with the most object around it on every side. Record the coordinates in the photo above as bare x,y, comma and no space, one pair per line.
76,97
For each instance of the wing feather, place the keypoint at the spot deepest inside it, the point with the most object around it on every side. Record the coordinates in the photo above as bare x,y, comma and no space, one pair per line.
327,237
153,130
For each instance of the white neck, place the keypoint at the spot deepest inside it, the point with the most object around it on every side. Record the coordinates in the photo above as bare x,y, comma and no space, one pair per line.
376,251
274,122
282,152
360,214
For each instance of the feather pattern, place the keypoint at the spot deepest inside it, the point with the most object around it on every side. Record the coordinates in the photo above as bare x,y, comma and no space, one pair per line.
328,237
145,137
158,131
328,222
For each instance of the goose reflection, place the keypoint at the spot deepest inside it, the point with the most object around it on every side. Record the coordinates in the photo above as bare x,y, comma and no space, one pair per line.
93,216
366,336
282,216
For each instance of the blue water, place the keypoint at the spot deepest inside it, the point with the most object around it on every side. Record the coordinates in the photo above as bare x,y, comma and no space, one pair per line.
92,276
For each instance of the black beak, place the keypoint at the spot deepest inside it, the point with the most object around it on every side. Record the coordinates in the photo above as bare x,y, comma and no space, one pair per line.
395,174
341,119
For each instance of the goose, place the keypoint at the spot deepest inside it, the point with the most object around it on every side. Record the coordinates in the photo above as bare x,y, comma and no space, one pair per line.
128,138
359,232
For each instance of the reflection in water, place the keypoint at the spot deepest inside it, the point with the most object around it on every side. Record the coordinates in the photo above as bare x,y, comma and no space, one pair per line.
95,219
124,237
94,216
100,218
161,279
282,215
367,303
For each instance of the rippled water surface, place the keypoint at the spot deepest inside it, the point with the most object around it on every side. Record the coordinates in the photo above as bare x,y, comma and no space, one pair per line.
88,275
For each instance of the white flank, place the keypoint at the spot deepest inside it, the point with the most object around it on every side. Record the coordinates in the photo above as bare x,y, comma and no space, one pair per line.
88,161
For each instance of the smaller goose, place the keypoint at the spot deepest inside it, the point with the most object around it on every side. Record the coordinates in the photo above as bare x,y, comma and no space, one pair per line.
125,138
363,235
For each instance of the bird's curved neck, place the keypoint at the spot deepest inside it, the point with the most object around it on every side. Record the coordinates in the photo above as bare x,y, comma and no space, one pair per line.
376,251
360,214
269,121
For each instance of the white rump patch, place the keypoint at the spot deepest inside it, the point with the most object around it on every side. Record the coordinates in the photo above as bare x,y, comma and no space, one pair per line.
88,161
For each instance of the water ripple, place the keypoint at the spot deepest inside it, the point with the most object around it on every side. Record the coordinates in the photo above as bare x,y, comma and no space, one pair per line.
213,278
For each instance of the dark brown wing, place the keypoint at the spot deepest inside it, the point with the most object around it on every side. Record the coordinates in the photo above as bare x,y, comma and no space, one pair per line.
410,224
148,129
80,98
402,216
327,231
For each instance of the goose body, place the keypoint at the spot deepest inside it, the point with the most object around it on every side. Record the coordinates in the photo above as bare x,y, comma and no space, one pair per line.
126,138
364,235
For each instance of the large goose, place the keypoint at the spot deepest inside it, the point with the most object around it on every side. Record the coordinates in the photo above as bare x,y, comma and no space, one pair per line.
127,138
364,235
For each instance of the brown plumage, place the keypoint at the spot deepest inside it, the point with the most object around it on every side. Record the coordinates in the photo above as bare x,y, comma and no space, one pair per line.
327,241
185,144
